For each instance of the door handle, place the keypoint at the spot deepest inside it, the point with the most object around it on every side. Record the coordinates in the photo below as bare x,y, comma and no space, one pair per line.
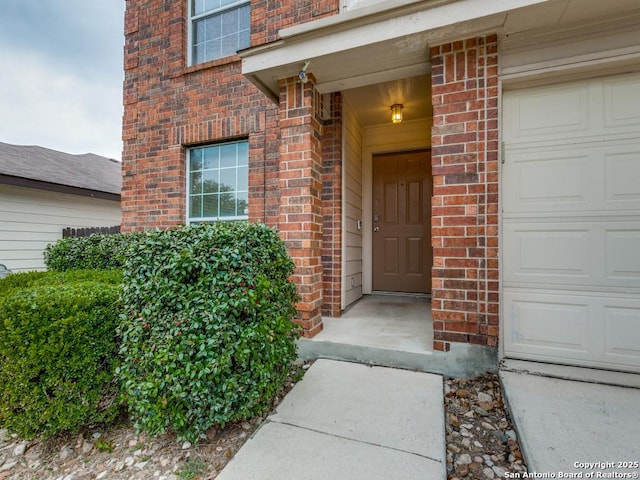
375,229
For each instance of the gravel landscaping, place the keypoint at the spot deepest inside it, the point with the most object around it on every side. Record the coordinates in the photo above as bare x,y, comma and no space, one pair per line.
481,444
481,441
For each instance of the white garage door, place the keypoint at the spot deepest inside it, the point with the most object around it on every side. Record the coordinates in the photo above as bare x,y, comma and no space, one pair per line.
571,223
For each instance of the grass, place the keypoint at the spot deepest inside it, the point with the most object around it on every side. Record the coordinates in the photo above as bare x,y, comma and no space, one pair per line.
103,446
191,468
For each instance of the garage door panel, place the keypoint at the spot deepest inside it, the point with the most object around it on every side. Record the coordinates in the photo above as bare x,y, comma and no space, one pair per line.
623,256
587,178
592,330
570,187
540,325
622,170
545,112
578,254
622,102
605,106
547,181
622,333
542,251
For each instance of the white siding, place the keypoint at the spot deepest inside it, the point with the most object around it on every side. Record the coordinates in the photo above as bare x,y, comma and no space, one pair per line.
352,268
31,219
564,53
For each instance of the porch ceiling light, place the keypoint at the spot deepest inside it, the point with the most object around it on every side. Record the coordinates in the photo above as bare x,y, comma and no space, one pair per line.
396,113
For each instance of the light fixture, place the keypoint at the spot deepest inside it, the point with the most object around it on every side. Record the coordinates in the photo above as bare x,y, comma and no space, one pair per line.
396,113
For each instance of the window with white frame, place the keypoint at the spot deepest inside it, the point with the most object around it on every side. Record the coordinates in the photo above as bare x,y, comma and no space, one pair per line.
218,28
218,182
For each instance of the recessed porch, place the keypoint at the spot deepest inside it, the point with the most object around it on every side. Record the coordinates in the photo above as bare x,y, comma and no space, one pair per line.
392,322
393,331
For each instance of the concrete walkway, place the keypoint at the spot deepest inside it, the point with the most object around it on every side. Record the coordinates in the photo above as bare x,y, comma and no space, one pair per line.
346,421
563,425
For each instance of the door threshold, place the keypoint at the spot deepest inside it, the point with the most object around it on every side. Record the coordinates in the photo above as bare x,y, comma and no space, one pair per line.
401,294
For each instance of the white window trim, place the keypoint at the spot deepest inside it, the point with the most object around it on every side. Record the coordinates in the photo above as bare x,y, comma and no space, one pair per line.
217,219
188,219
191,18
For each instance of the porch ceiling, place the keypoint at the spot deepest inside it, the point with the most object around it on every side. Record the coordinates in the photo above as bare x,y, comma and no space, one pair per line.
372,102
379,44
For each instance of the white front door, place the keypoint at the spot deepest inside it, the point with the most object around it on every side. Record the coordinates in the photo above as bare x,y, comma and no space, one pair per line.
571,223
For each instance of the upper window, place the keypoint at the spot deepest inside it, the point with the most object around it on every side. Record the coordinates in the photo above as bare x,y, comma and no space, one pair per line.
218,182
219,28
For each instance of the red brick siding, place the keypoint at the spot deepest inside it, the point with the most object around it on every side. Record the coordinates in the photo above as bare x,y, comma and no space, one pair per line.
332,206
264,193
300,181
169,107
268,17
465,192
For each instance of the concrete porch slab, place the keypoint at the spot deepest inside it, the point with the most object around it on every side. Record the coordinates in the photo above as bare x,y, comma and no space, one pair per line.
383,321
394,331
346,421
563,424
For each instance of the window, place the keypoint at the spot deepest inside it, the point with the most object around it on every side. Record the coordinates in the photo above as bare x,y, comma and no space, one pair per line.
218,182
218,28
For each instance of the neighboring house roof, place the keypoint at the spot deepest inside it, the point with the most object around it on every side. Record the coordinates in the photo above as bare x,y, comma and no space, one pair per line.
40,167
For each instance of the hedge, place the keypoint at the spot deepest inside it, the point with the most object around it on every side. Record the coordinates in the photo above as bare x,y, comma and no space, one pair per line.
207,329
36,279
97,251
58,351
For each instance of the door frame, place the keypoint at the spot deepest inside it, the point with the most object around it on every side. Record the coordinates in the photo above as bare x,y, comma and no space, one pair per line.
406,170
381,139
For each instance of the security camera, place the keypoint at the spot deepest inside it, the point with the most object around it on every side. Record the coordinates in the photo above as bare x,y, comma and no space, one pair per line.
303,73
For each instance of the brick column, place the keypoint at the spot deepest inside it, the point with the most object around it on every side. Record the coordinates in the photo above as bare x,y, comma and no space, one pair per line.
465,192
332,204
263,170
300,181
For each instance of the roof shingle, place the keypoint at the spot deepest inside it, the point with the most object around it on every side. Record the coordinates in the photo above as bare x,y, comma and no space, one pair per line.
88,171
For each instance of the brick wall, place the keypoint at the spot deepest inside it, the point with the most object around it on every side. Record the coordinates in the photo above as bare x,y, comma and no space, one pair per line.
465,192
170,106
332,204
269,17
301,173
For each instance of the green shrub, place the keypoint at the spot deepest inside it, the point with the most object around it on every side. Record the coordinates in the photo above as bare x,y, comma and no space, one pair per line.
207,331
37,279
58,353
23,280
97,251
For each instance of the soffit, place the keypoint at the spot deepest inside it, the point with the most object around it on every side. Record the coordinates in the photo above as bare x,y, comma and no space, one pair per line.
363,50
564,13
372,102
372,46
